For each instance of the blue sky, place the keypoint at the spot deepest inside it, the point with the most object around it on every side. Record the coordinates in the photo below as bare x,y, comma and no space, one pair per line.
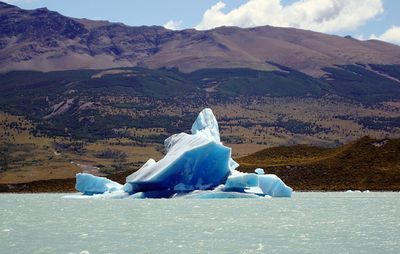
362,19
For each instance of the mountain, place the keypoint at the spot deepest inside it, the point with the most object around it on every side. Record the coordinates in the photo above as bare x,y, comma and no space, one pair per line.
46,41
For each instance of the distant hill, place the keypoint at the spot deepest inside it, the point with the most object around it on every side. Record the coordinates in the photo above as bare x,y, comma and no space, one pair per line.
46,40
366,164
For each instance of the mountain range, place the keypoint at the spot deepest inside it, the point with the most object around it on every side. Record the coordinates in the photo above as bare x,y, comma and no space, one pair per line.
45,40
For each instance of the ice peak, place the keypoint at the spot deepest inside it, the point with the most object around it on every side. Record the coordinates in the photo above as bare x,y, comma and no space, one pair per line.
206,124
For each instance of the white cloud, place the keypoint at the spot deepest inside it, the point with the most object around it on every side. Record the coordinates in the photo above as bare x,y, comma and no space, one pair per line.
173,24
317,15
391,35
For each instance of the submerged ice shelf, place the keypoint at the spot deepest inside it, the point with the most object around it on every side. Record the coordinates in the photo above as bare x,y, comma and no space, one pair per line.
196,165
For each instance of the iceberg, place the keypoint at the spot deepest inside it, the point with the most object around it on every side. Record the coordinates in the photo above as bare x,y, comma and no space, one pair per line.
260,184
241,181
89,184
206,125
197,161
273,186
192,163
196,165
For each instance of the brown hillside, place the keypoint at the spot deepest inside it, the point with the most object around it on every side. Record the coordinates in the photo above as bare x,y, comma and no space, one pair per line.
366,164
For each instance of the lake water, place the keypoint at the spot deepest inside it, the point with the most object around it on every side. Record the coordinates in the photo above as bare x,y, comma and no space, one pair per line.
305,223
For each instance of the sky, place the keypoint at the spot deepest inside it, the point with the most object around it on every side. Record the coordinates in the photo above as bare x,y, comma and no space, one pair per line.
362,19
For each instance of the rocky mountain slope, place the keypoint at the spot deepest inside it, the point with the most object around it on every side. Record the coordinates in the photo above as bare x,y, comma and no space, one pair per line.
46,40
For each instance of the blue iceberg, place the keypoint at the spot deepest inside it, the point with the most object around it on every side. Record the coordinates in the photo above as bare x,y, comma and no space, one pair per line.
196,165
193,162
89,184
259,184
241,181
273,186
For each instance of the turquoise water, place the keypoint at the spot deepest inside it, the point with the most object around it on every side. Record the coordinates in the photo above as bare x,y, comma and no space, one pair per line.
306,223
